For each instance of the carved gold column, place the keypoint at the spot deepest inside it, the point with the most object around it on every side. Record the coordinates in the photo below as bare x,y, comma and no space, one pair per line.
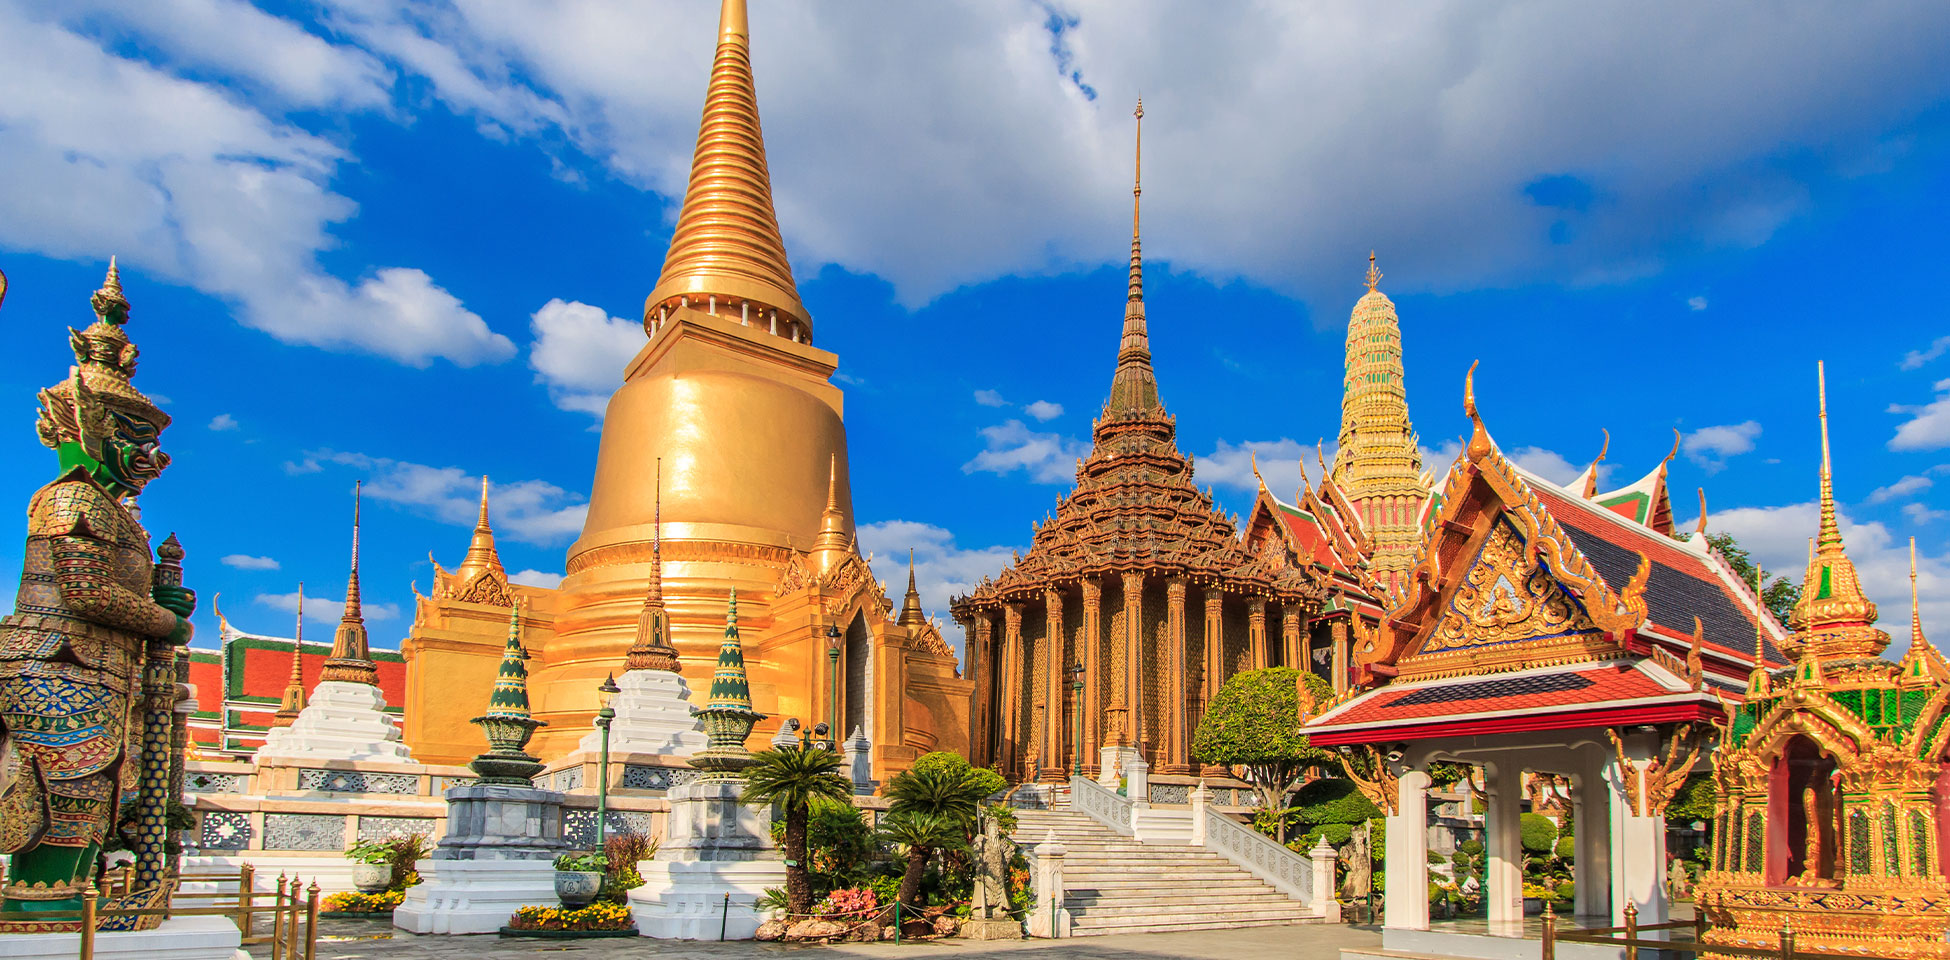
982,674
1290,653
1214,661
1256,630
1093,609
1012,690
1054,768
1174,690
1134,718
1116,730
1340,655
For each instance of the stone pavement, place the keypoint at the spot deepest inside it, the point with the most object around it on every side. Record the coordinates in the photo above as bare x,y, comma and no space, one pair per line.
368,940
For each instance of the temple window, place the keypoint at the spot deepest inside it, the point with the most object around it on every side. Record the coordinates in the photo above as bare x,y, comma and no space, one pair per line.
1807,803
1891,845
1858,842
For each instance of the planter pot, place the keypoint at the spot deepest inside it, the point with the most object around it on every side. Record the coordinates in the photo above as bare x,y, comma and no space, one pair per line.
576,888
372,877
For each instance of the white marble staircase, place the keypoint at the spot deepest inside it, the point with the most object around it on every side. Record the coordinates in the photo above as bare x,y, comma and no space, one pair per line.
1115,884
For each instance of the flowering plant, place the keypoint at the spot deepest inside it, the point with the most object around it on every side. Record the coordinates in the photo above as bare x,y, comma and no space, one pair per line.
596,916
364,902
854,902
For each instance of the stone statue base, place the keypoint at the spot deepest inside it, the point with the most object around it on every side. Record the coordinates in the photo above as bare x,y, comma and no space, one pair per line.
1003,929
498,855
489,821
179,938
341,721
653,715
714,847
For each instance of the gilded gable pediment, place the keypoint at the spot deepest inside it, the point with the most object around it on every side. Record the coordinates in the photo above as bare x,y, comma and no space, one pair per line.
1505,608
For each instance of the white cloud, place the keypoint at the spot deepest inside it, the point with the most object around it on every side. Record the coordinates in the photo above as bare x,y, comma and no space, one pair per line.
941,569
1231,465
990,398
1920,515
190,184
1711,447
531,511
579,353
1696,303
1475,119
1044,411
247,562
325,609
223,421
537,578
1915,359
1901,489
1929,426
1778,538
1012,446
1548,464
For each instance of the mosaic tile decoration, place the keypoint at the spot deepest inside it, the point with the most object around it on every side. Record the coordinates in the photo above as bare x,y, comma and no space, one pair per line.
216,782
566,780
390,828
1171,793
440,784
579,825
356,781
304,831
639,777
224,830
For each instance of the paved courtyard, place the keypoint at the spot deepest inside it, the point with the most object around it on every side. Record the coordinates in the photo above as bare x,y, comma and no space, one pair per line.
365,940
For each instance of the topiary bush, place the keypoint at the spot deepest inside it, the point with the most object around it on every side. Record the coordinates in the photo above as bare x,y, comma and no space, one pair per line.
1567,848
948,760
1539,834
1332,800
1337,834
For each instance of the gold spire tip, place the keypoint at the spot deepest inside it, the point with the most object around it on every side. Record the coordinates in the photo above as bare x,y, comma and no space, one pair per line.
733,20
1374,273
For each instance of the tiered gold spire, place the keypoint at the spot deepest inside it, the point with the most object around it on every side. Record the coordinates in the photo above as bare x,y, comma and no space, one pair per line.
1379,464
351,659
911,613
481,554
1833,617
293,702
832,544
1134,387
726,254
652,649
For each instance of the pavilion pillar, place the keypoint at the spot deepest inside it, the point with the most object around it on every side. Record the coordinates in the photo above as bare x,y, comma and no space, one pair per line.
1214,662
1339,680
1256,630
1503,846
1136,725
1591,856
982,674
1013,687
1406,861
1093,707
1173,688
1638,844
1292,652
1053,725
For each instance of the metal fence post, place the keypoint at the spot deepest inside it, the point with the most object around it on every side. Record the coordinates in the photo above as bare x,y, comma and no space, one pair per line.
1550,934
88,922
1787,939
1631,930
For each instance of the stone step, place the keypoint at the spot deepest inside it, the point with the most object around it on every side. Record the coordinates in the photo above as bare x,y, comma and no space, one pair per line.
1251,911
1093,899
1153,870
1103,926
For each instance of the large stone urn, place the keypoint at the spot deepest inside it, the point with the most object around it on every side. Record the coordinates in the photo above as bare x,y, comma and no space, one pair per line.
577,888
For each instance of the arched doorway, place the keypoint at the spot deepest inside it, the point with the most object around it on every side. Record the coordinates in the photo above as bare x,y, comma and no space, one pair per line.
1804,819
855,670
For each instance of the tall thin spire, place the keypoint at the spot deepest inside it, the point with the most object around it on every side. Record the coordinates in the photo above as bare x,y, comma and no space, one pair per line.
351,659
1134,387
481,553
1378,465
1915,602
726,249
652,649
729,687
911,613
1833,618
832,544
293,702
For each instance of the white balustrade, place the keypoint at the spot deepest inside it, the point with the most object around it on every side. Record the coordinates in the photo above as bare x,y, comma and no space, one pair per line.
1100,804
1291,873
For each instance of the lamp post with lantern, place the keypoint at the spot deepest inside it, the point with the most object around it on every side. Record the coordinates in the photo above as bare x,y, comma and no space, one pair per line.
1076,707
604,715
833,682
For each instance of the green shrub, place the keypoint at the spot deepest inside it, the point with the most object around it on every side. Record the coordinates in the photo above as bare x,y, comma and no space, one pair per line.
582,863
1567,848
1337,834
1694,802
1539,833
991,782
1566,889
1332,800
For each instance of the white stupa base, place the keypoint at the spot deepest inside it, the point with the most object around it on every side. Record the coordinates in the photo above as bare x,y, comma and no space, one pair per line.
473,896
653,715
685,900
341,721
179,938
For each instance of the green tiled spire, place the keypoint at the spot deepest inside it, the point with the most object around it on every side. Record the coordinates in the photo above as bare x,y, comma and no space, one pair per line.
729,688
507,722
510,697
728,716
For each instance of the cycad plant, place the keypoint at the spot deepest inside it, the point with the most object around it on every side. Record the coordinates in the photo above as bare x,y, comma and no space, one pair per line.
954,794
919,835
792,778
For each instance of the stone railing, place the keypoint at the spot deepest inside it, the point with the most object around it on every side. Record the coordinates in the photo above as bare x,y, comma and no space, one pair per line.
1100,804
1292,873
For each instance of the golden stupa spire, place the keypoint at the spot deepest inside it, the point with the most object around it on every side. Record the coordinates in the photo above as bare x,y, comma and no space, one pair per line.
1378,464
351,659
911,613
293,702
831,545
1915,603
652,649
726,254
481,554
1134,387
1374,273
1833,617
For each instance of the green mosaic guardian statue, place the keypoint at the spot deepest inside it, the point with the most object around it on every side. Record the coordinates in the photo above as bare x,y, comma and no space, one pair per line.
92,603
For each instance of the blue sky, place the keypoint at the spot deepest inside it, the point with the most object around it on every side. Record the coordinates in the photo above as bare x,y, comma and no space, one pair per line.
408,243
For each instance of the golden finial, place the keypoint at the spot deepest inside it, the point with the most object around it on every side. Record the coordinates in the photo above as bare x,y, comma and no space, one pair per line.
1479,437
1915,603
726,246
1830,531
1591,472
109,303
830,546
1701,529
1134,386
481,553
1136,288
1255,460
1374,273
1833,613
911,613
1676,440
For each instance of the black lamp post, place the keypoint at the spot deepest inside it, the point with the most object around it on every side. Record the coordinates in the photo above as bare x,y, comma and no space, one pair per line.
833,679
1076,748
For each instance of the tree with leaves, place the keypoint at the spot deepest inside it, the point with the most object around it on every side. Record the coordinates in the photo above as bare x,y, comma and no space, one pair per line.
793,778
1254,722
919,836
1780,594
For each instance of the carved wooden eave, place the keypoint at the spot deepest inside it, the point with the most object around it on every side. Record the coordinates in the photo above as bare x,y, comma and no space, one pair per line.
486,586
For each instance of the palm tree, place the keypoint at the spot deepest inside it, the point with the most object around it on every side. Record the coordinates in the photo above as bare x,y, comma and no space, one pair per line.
921,834
955,794
792,778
